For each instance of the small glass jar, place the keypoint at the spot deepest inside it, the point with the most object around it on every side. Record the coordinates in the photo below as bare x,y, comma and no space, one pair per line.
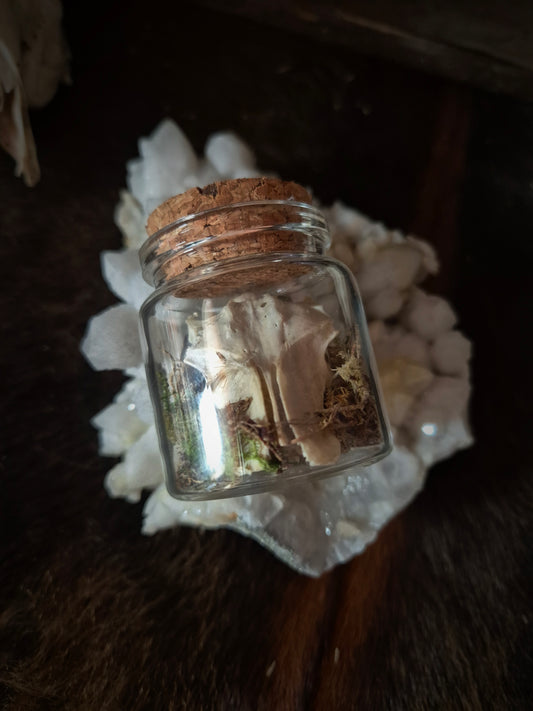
257,354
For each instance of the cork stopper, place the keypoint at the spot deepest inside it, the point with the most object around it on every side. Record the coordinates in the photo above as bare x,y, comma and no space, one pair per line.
222,222
221,194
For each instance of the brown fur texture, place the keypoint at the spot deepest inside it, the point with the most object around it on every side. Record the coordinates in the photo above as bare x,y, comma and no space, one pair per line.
437,613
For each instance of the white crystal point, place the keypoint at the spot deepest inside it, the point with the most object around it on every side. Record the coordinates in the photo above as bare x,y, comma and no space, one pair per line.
245,514
327,522
205,174
402,382
347,220
258,511
444,399
427,315
385,303
451,353
122,272
430,261
163,511
436,422
136,397
118,428
112,339
230,155
396,266
140,469
135,180
391,342
160,511
438,442
130,220
383,260
164,169
404,475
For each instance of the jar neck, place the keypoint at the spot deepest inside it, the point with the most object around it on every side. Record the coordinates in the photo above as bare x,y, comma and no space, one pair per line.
222,233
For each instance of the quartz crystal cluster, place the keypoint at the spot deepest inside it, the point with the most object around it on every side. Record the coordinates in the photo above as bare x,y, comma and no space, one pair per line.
423,363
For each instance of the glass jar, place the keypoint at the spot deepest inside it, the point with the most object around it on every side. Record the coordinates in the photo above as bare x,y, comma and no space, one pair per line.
257,354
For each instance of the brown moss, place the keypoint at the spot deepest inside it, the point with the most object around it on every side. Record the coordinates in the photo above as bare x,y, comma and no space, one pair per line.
350,411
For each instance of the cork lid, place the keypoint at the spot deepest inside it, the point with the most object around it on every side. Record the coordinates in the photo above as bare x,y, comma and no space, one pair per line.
225,220
221,194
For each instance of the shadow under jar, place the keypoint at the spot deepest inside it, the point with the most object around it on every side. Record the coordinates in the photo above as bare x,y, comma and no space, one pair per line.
257,354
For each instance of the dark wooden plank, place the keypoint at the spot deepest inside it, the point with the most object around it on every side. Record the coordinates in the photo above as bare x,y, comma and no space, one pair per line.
487,44
437,613
441,182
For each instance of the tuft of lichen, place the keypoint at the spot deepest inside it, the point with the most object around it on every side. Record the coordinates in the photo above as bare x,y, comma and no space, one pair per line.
350,411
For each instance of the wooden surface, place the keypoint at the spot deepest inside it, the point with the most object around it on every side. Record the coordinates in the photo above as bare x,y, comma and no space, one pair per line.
487,43
437,613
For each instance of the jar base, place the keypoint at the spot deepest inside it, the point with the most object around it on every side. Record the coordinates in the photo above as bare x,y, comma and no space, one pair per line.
258,483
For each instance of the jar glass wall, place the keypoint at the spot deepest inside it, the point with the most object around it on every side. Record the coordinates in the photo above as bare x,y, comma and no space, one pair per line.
257,386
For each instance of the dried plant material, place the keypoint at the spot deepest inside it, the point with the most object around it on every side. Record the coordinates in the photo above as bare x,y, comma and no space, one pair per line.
16,137
349,412
272,379
33,60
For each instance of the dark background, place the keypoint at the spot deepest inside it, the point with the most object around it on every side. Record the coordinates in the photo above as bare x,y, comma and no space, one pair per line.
437,613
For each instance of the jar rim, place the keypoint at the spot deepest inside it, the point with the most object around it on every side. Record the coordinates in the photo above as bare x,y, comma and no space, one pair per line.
309,220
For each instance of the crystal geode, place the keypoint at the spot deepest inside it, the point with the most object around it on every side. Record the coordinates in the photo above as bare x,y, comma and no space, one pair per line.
422,360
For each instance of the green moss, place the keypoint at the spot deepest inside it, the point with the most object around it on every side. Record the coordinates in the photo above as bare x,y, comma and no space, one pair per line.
253,453
241,448
182,426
